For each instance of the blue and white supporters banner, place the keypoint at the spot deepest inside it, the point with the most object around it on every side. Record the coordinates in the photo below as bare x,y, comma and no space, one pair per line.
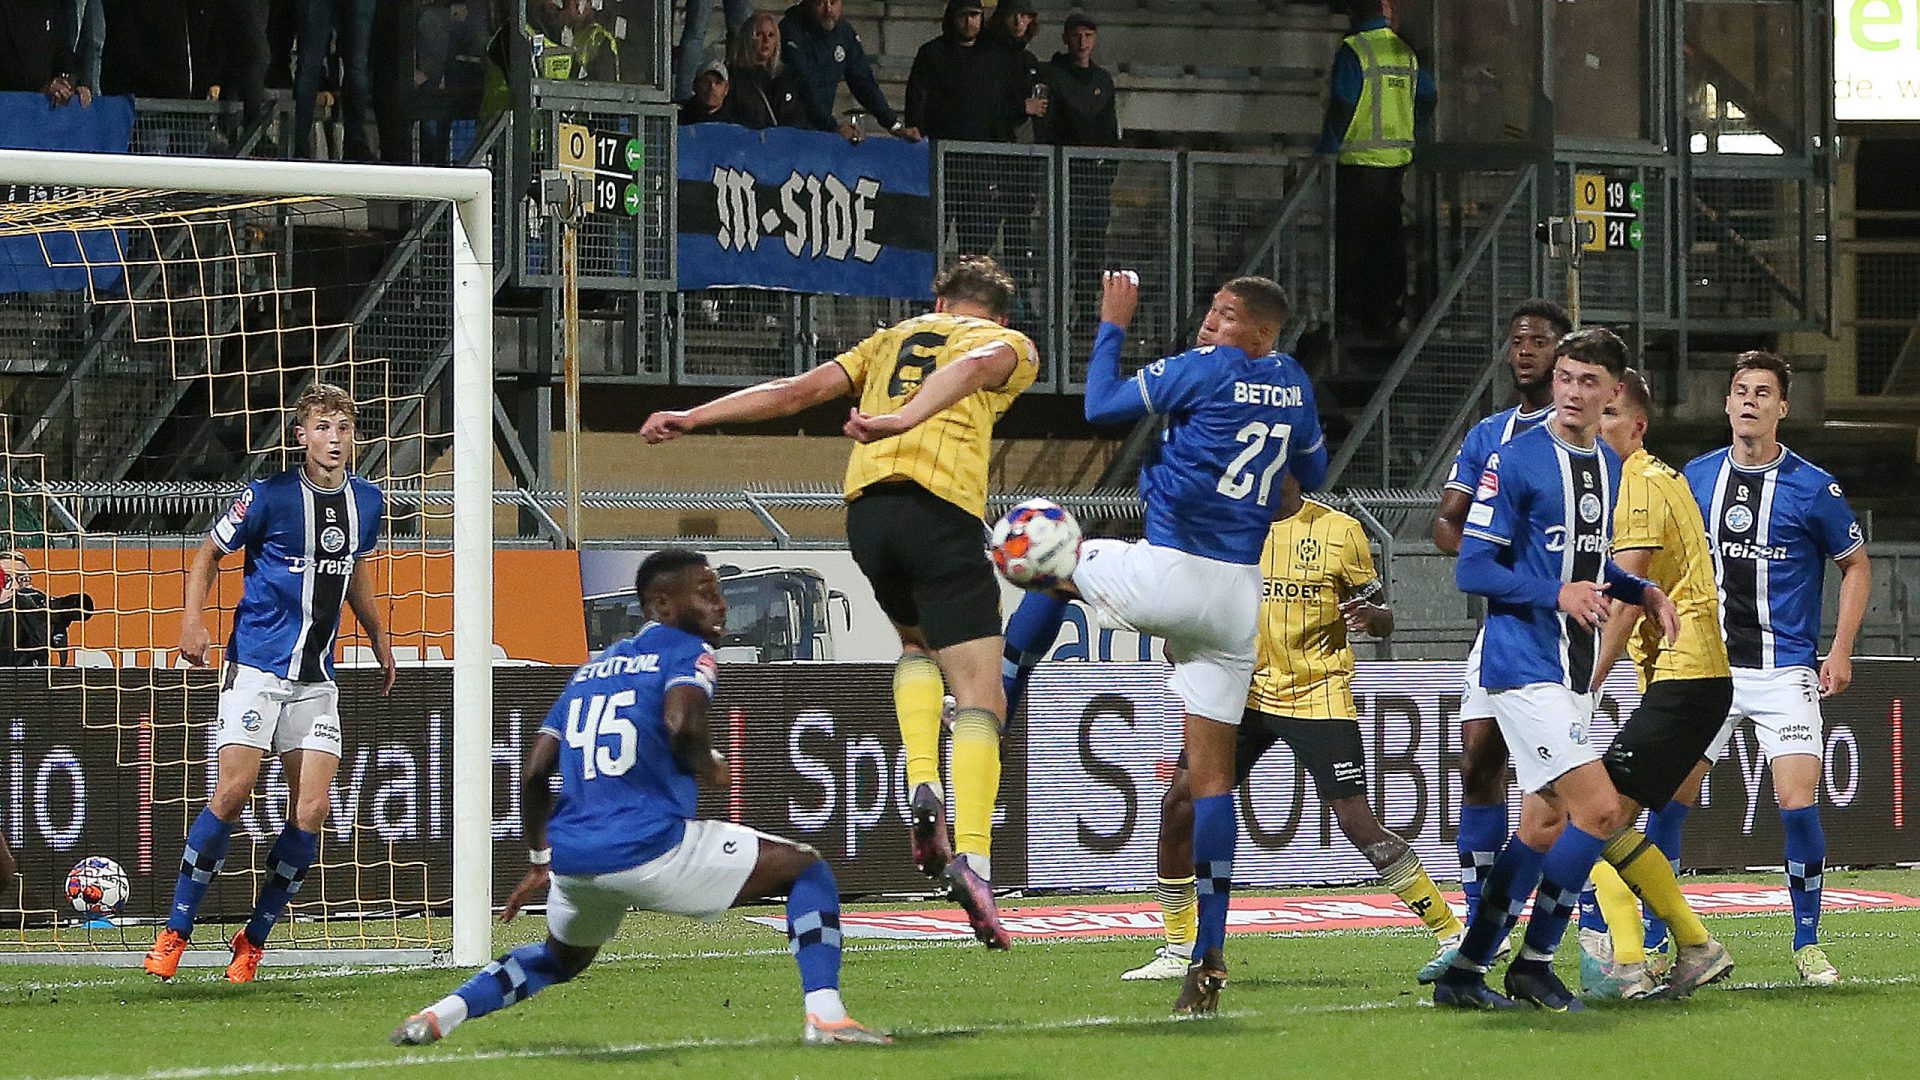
805,211
28,122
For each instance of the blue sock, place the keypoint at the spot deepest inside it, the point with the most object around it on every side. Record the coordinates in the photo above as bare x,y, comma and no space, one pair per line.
1806,862
1030,634
813,928
514,977
1570,859
1482,828
287,866
1663,828
1503,896
1590,915
1215,831
206,852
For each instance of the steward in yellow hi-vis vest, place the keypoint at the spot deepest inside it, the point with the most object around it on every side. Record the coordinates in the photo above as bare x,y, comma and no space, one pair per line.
928,392
1380,134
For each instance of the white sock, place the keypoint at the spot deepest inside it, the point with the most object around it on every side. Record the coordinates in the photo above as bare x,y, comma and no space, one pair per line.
826,1005
979,864
451,1011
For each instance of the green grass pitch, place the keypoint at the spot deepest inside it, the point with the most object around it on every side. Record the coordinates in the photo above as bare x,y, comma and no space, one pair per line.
673,998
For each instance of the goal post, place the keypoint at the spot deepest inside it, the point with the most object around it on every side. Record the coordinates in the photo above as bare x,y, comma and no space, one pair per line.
470,193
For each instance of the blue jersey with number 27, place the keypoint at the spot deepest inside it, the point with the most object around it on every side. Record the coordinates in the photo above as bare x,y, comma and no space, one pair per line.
1235,424
624,799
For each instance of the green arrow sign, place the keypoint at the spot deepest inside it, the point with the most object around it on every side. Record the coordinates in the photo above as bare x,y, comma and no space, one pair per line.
635,155
1636,195
631,202
1635,233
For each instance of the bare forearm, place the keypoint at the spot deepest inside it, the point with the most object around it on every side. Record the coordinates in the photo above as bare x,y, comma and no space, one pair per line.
200,576
536,805
361,599
767,401
1856,582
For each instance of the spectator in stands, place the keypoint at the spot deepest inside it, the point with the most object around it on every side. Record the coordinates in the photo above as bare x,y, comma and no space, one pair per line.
708,105
945,89
147,55
1082,112
822,49
1012,29
1082,107
33,625
763,94
79,35
349,23
688,66
227,54
1380,100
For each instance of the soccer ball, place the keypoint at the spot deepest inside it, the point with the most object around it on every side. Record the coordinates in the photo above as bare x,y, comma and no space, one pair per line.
97,886
1037,545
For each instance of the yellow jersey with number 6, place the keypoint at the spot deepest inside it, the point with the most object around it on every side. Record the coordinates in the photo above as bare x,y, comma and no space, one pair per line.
947,454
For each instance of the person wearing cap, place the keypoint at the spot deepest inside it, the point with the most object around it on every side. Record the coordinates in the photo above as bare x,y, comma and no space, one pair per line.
708,105
1083,112
822,49
951,92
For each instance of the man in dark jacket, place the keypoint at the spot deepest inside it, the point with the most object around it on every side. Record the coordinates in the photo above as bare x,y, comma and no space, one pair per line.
822,49
1083,113
950,92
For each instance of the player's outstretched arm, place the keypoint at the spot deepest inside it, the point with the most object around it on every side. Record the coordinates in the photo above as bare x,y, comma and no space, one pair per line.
194,639
1622,619
1110,399
1479,571
1856,582
767,401
360,598
536,805
981,369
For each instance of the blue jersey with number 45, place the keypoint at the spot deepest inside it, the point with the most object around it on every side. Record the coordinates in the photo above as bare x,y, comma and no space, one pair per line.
1235,423
624,799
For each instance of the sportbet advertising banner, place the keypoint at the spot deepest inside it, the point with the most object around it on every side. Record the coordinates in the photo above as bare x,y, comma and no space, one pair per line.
805,211
118,769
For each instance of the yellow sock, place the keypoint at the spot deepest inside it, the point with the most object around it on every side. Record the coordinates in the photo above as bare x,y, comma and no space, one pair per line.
1409,881
1180,911
918,693
1622,911
1648,873
976,779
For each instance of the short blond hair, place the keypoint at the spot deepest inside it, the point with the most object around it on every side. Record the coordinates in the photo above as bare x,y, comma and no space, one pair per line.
323,397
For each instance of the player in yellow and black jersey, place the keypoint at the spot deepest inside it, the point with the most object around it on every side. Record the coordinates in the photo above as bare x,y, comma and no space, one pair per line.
1686,686
928,392
1319,586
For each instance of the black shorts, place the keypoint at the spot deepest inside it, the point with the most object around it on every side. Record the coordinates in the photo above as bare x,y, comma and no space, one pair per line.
1666,737
927,562
1329,750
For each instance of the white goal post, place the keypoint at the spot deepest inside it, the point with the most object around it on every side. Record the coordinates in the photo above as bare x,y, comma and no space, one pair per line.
470,191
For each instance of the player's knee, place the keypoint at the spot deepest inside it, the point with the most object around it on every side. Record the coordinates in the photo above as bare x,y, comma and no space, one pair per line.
311,813
1176,806
230,797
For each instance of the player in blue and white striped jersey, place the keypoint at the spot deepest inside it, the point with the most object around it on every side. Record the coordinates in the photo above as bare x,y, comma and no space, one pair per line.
305,533
1775,520
1533,329
1537,546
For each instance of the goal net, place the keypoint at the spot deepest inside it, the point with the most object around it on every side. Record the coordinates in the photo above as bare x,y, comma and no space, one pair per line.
158,318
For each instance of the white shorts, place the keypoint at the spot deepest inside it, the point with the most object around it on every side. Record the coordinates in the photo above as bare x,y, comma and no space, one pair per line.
1207,610
277,715
1545,725
1475,704
1784,705
700,877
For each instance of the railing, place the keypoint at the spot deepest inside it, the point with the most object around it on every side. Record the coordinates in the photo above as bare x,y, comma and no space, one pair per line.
1412,417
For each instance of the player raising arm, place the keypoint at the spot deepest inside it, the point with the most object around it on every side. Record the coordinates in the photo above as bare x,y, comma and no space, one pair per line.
630,741
306,533
927,393
1240,418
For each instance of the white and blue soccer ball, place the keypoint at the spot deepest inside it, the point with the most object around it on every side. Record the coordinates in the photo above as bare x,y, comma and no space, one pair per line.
97,886
1036,545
